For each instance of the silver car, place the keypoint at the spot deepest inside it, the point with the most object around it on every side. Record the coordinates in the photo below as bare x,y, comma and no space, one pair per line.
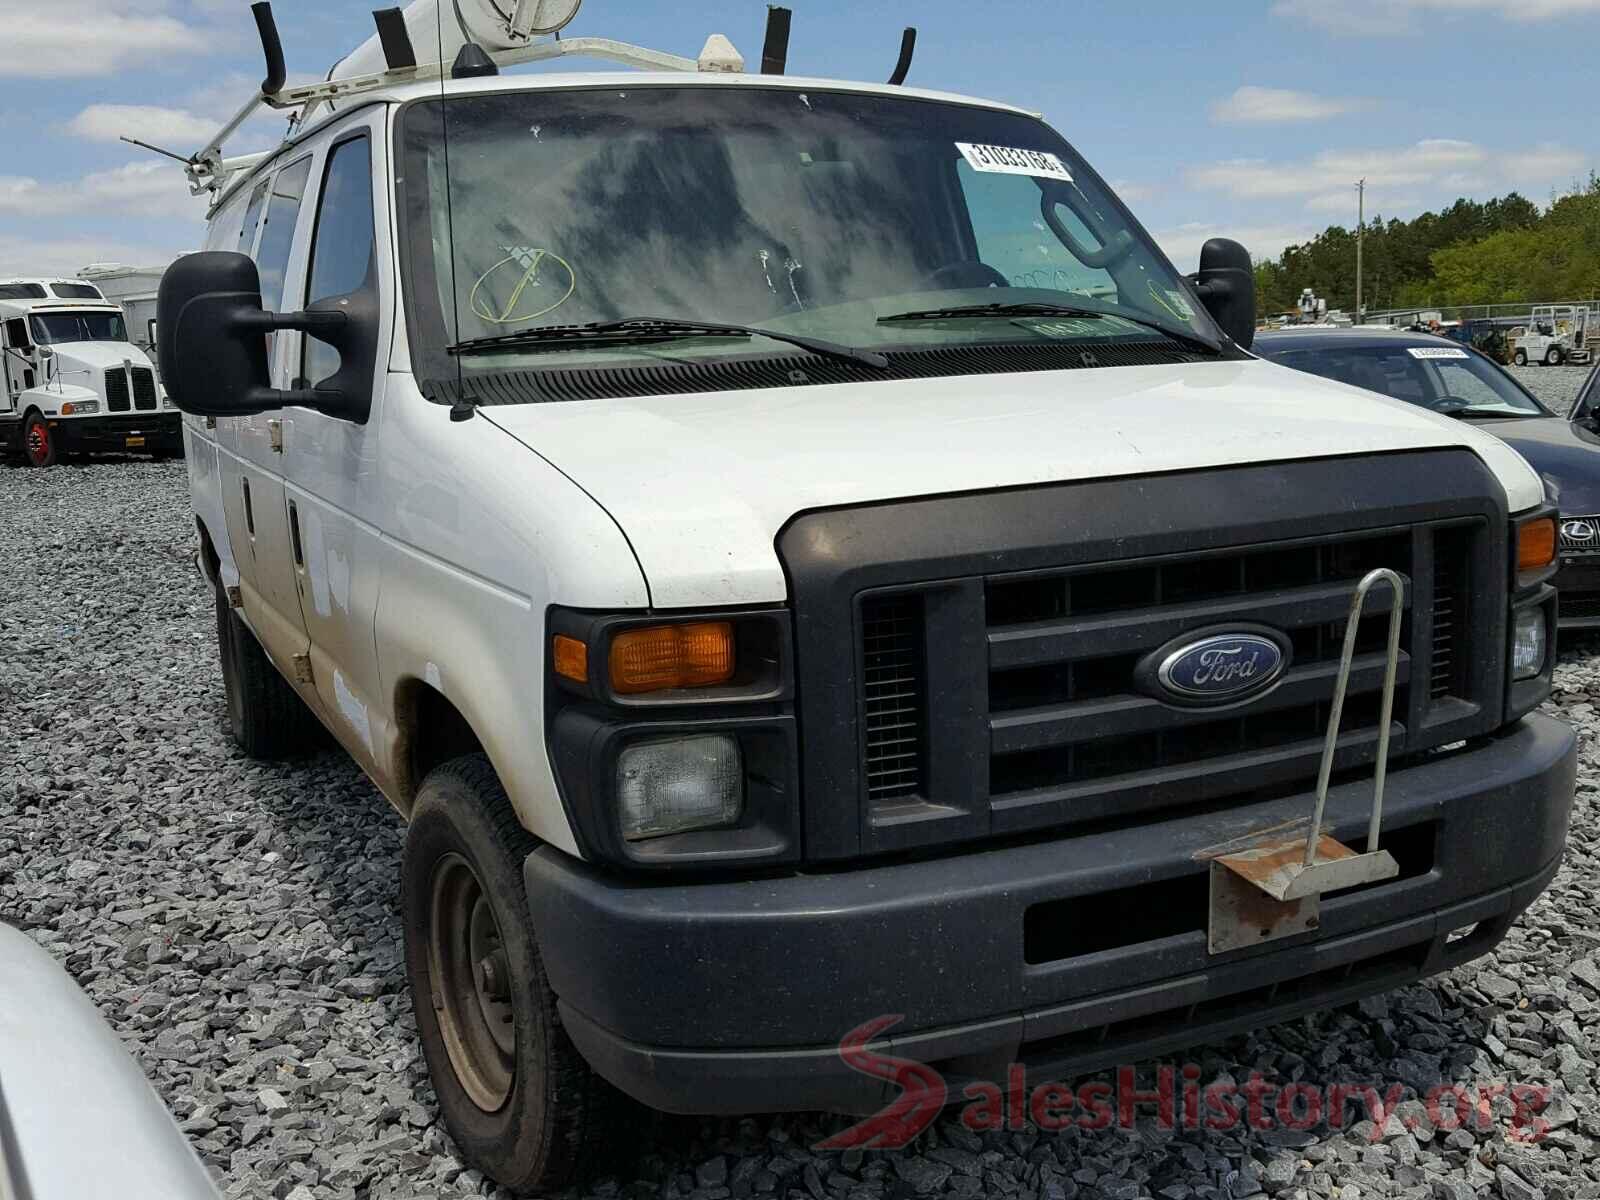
78,1119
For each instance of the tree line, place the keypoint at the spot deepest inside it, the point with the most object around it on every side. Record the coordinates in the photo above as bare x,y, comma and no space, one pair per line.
1500,251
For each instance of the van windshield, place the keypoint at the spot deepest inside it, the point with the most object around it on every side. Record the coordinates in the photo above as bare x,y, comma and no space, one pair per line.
57,327
813,213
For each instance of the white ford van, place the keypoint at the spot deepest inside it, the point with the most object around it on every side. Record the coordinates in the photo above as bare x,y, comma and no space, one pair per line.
804,562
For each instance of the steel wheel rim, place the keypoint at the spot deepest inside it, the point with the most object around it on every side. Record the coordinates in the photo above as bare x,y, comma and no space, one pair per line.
38,441
471,989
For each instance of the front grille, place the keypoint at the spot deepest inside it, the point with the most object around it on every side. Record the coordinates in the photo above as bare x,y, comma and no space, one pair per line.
117,390
1580,536
1072,737
1008,687
144,388
1451,584
892,701
1070,730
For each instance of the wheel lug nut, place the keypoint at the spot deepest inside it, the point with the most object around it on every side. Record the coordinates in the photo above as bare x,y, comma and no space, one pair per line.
493,976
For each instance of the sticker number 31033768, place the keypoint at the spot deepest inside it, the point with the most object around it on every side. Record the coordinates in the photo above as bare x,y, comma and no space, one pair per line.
1008,160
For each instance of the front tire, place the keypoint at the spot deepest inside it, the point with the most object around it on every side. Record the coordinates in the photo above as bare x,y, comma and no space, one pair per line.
39,445
1520,358
514,1092
266,716
1552,357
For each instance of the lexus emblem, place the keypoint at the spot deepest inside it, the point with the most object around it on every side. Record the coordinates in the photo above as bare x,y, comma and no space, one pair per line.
1579,531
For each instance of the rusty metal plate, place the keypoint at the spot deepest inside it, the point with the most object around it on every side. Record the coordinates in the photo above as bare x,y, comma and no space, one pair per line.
1279,868
1243,915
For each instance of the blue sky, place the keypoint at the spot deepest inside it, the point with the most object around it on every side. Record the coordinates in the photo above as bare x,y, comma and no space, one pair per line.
1251,118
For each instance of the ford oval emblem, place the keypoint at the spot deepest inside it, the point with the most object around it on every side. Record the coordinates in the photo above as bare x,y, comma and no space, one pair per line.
1219,666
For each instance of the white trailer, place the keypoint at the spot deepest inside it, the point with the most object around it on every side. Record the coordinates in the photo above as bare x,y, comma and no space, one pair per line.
134,290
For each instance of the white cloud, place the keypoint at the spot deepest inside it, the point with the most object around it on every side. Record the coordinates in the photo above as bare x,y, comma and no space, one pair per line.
140,189
1437,163
1379,18
1332,170
1546,163
67,256
84,37
1263,104
1182,244
1130,192
173,128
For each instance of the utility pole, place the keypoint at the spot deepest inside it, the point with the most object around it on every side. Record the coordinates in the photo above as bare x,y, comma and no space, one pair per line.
1361,233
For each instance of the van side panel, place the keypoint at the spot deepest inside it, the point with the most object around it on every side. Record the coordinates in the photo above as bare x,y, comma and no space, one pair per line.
480,537
205,491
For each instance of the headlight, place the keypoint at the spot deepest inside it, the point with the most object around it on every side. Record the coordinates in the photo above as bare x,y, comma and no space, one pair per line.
674,785
80,408
1528,638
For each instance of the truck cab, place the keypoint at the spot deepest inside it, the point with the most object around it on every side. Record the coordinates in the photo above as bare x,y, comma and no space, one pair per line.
71,380
826,592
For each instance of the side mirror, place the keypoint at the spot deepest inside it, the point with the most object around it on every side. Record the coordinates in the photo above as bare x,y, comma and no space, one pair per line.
46,353
212,347
1226,283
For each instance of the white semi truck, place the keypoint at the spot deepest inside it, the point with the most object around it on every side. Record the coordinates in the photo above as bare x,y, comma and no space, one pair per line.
72,381
813,574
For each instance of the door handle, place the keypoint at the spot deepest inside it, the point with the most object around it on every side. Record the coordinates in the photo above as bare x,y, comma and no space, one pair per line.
249,509
294,536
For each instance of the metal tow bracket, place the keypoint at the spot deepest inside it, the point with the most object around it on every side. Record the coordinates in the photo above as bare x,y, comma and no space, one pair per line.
1271,889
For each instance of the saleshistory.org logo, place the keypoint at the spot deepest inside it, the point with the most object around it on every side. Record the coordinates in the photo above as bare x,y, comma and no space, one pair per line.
1177,1101
1223,666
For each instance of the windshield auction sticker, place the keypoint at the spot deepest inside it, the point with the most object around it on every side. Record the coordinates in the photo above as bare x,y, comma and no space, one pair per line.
1436,352
1007,160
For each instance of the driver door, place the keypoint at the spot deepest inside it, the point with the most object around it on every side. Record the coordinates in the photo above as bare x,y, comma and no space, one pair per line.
251,462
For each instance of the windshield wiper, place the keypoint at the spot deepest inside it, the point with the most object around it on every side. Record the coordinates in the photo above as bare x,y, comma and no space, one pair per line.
1482,410
1033,308
636,331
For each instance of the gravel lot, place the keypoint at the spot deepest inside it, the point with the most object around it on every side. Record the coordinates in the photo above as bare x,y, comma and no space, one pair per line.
237,924
1557,387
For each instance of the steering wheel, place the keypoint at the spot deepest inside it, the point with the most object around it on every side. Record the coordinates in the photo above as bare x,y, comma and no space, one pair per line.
1450,404
967,274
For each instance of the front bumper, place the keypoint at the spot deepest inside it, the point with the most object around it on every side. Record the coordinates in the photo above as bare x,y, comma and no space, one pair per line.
1578,581
730,997
135,431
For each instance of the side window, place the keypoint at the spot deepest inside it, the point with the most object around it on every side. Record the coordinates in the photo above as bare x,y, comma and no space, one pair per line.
1013,238
342,249
17,334
252,214
226,224
277,235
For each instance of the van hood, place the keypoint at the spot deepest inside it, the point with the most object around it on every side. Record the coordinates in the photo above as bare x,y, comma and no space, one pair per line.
1566,455
702,484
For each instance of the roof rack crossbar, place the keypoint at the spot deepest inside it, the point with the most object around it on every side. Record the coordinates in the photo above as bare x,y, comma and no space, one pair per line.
209,171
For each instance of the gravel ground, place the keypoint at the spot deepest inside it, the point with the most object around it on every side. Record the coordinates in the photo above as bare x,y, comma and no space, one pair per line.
237,923
1557,387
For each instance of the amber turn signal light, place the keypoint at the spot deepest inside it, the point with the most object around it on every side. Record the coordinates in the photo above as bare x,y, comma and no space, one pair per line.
672,656
571,658
1536,544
